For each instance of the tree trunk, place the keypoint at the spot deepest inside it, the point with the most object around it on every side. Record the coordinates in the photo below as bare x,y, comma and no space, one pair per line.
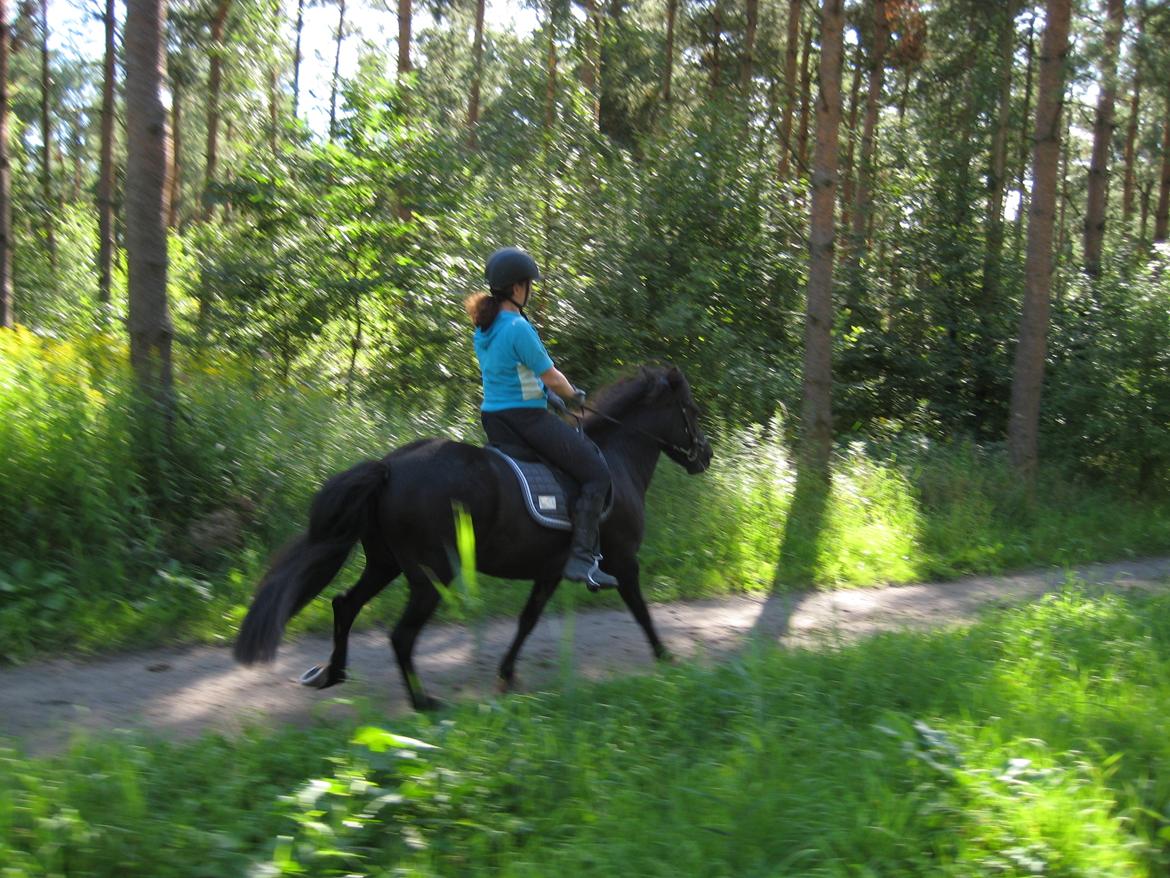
476,77
47,141
336,71
716,78
550,91
789,112
997,182
7,317
671,15
805,100
1103,126
1022,166
1162,216
591,67
175,196
1028,374
214,86
1131,128
873,97
404,23
105,191
816,404
847,177
749,46
297,58
146,200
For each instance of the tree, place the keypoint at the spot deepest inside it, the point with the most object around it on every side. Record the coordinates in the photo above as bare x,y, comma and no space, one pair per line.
877,67
1131,128
1102,141
214,87
997,182
816,404
7,318
105,190
476,76
668,71
47,139
297,58
404,24
749,46
790,53
150,326
1028,374
1162,214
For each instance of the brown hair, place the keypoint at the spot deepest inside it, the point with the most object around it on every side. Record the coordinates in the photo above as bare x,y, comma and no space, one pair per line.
482,308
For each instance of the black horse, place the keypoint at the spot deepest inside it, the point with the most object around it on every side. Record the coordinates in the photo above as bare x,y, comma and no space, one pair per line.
401,508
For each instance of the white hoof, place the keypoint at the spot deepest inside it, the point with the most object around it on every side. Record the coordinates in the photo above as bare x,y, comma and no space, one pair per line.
314,677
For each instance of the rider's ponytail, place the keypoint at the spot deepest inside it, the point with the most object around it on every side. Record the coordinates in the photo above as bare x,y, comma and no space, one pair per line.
482,308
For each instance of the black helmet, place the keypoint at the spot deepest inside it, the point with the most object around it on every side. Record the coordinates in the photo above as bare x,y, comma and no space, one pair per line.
510,265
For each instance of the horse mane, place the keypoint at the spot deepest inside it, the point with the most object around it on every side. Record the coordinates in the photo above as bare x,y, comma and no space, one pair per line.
617,399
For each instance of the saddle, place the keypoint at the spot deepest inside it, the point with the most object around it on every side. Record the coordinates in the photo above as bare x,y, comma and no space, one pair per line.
549,492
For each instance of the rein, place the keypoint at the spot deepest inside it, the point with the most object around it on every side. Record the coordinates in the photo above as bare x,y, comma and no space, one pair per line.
691,453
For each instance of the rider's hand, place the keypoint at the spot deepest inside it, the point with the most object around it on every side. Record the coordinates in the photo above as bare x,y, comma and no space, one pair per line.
578,398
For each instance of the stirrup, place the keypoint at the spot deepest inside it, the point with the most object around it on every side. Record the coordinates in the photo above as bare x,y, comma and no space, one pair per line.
595,578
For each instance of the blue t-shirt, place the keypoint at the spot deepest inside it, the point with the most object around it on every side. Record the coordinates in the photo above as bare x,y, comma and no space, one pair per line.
511,357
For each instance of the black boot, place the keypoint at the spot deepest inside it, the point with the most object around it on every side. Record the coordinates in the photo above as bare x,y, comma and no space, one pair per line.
583,554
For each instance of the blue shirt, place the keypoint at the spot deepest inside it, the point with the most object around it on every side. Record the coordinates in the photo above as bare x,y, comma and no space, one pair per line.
511,357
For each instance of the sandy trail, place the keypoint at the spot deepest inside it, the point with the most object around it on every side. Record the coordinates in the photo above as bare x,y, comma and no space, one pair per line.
182,692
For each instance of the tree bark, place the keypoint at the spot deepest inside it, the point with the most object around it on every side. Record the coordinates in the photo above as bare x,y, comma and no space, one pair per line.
175,196
105,191
1162,215
997,181
1022,166
297,58
591,67
1103,126
873,96
146,200
847,177
476,77
749,46
789,112
1131,128
404,24
1028,374
550,92
668,73
336,71
7,315
816,402
47,141
805,99
214,87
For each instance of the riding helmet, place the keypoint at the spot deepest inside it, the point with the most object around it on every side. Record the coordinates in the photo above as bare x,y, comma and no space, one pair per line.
510,265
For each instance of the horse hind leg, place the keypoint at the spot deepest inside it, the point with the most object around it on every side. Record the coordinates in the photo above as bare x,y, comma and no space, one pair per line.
424,598
542,590
376,576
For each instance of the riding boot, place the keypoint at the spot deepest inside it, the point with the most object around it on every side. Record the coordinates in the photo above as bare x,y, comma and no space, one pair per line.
583,554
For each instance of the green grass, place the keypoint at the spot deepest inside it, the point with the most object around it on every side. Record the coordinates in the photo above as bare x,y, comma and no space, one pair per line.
99,554
1030,744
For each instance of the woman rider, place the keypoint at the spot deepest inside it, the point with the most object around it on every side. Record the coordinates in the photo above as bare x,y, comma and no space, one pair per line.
516,371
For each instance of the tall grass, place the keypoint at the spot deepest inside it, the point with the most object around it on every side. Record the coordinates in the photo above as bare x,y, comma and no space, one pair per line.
1030,744
100,552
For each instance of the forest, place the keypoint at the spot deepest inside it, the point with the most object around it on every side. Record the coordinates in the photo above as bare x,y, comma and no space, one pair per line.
911,256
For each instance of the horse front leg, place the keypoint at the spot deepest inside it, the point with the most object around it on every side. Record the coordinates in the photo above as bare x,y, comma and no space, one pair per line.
626,569
542,589
345,610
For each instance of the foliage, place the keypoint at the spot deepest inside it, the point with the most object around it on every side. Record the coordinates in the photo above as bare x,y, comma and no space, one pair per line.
1029,744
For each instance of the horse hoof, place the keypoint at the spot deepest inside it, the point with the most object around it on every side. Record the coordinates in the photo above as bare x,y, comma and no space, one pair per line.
503,685
428,704
314,678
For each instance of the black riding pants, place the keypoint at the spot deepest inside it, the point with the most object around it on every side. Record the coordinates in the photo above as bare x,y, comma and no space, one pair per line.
553,440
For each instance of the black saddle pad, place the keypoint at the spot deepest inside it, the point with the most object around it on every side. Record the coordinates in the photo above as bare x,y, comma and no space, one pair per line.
549,493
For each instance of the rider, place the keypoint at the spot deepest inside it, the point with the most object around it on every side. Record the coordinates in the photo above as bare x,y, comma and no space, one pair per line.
517,373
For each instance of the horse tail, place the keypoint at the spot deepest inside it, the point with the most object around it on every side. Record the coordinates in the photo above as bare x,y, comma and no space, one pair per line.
339,515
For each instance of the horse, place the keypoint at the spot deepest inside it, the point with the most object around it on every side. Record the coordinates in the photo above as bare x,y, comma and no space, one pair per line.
401,510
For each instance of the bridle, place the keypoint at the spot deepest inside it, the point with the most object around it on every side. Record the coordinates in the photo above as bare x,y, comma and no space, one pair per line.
691,454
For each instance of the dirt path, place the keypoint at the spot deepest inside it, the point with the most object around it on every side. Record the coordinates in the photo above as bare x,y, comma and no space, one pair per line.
182,692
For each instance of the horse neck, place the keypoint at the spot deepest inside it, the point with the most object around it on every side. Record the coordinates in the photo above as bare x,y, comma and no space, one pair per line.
636,452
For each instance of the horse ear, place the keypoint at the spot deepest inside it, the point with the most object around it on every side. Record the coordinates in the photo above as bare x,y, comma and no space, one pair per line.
674,377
